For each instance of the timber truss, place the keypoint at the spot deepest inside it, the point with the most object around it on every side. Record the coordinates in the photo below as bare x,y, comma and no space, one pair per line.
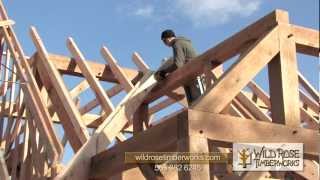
35,100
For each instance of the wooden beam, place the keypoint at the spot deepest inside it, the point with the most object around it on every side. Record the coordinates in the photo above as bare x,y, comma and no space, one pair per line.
218,54
87,72
230,84
261,94
5,23
78,89
214,126
68,66
4,85
283,81
60,97
243,103
243,110
161,105
252,107
95,102
312,123
307,40
308,87
142,66
116,69
88,119
313,105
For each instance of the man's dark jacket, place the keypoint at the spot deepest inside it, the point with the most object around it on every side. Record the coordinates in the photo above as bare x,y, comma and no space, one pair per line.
183,52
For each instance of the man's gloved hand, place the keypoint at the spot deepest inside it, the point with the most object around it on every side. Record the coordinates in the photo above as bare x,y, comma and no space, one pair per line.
160,75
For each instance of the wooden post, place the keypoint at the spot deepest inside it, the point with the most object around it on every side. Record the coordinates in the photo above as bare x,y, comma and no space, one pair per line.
192,144
283,77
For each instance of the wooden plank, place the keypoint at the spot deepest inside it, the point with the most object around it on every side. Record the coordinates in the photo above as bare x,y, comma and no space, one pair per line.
16,129
11,120
92,81
307,40
260,93
116,69
4,85
88,119
78,89
253,108
32,92
308,87
283,81
60,97
229,85
142,66
246,130
234,111
5,23
313,105
161,105
95,102
3,112
312,122
243,111
218,54
68,66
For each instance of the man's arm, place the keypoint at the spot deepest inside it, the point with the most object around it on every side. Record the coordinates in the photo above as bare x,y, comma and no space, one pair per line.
168,66
165,68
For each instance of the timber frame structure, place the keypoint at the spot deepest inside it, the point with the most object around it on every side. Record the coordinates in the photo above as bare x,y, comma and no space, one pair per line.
35,99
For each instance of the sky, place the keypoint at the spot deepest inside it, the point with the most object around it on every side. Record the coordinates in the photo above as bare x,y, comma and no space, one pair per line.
126,26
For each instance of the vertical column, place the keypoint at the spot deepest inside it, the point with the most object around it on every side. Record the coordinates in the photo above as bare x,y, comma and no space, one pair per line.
283,77
192,144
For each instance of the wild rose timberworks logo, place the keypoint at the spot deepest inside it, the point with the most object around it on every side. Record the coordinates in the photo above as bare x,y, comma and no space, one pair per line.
245,157
267,156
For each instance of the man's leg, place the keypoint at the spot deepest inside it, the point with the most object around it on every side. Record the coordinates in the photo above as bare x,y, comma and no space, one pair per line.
194,90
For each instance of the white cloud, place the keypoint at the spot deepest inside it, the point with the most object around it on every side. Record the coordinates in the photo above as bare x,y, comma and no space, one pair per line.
146,11
208,12
197,12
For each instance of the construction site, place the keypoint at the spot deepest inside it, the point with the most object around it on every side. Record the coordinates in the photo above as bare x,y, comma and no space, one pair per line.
35,101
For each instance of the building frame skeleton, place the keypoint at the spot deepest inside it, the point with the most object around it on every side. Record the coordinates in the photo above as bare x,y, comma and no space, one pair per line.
34,98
